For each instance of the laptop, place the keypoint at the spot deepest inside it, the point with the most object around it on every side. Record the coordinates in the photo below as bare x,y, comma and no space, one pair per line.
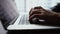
12,20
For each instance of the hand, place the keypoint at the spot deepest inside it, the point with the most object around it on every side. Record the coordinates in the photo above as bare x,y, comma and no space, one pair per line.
41,13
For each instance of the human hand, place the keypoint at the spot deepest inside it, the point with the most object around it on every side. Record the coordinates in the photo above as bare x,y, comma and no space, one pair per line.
41,13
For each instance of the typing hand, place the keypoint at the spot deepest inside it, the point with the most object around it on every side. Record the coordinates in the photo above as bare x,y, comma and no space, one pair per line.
41,13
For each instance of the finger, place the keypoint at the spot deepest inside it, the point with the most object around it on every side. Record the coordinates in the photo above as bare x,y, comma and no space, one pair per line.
36,16
31,17
39,7
30,10
36,11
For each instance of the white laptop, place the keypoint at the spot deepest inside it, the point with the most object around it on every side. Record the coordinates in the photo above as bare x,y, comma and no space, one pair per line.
12,20
22,23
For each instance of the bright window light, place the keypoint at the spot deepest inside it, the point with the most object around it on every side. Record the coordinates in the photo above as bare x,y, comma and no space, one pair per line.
26,5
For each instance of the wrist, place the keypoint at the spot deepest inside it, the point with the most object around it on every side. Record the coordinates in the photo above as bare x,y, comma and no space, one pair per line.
57,15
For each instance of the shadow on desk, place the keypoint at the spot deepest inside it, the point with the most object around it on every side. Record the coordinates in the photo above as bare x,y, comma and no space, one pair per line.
50,31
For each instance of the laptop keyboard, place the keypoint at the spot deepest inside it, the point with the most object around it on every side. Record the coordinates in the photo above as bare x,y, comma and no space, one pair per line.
24,20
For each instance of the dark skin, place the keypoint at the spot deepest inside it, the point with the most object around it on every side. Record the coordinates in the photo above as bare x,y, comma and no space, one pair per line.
51,17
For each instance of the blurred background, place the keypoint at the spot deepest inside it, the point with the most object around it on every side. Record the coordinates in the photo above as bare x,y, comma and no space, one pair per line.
24,6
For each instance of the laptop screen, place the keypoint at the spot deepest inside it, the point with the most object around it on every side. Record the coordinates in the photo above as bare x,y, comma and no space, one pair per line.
8,12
